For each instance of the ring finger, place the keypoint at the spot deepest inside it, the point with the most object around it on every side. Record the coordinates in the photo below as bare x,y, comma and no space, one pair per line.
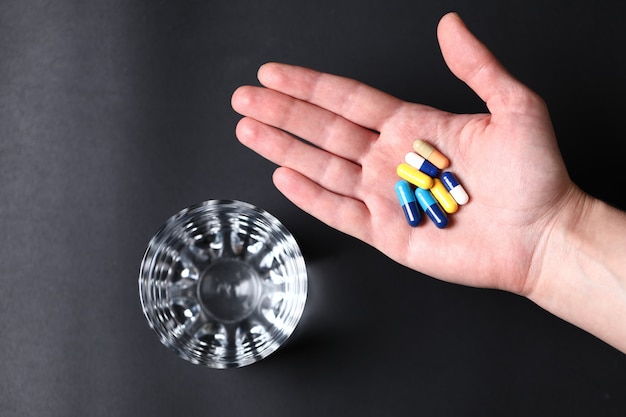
329,171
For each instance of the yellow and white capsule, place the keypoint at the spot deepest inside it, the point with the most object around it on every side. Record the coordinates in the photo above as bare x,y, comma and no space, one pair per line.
431,154
445,199
414,176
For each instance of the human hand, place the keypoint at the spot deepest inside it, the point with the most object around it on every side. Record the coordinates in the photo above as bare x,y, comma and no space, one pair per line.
507,160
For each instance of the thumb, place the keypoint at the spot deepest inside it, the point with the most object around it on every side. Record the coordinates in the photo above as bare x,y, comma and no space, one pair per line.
471,61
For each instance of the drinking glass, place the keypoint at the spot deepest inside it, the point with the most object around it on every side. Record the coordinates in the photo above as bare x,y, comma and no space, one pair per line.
223,283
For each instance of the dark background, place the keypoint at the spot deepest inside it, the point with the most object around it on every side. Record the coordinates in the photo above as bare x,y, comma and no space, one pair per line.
114,115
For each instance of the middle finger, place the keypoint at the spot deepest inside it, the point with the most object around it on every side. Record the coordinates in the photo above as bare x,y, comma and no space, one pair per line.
320,127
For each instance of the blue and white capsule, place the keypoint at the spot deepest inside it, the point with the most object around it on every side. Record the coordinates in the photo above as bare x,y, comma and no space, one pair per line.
422,164
408,203
432,209
455,188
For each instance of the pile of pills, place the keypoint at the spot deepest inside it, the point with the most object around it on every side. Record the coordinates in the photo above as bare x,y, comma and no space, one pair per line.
421,185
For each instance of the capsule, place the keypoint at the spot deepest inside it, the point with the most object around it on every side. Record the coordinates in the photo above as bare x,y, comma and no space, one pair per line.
431,154
408,203
414,176
455,188
431,208
443,197
422,164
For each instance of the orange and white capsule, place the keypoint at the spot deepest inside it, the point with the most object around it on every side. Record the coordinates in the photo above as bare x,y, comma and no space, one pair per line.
414,176
431,154
443,196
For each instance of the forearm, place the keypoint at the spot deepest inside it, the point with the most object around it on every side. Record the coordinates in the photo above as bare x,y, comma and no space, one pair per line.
582,273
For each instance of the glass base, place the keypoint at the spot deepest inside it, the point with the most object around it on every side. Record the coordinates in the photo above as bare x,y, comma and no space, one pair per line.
223,284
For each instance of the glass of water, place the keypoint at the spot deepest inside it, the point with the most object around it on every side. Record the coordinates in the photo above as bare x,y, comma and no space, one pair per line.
223,283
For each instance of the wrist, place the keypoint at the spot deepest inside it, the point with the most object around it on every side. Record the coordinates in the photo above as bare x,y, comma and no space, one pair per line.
579,270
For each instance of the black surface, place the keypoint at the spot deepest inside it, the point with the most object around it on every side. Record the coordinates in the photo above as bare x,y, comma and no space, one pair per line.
116,114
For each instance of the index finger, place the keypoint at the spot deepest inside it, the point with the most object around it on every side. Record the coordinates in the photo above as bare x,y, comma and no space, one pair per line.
355,101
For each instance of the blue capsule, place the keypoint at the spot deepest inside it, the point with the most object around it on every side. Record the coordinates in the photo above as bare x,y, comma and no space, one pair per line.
456,190
431,208
408,203
422,164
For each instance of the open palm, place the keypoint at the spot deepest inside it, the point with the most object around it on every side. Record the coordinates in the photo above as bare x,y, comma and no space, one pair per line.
344,170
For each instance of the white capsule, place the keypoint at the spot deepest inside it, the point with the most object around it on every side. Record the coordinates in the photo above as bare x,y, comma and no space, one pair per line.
455,188
422,164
